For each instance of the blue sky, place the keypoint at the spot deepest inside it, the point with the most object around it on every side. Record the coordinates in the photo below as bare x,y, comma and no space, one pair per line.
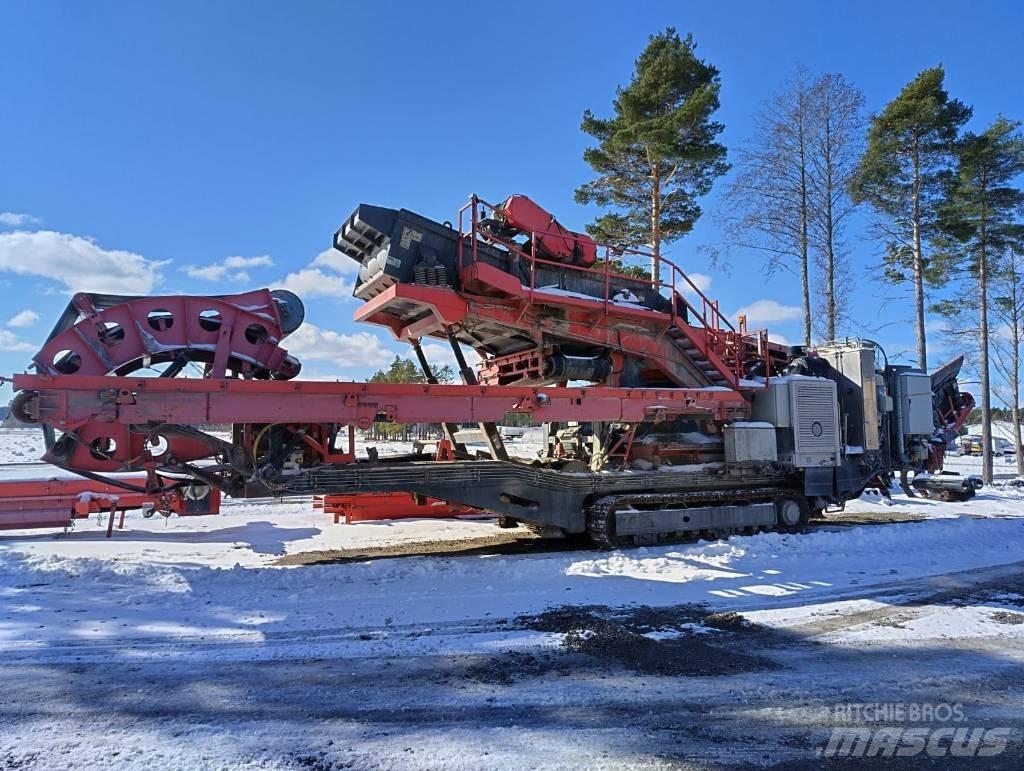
206,148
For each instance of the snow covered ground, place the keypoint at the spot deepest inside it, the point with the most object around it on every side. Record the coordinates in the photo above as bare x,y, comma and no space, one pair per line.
20,445
185,643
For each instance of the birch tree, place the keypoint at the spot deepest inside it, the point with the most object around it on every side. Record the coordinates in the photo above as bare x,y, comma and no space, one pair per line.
1008,309
836,139
790,198
766,208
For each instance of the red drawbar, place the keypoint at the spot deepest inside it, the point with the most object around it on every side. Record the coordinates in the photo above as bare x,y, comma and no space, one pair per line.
59,502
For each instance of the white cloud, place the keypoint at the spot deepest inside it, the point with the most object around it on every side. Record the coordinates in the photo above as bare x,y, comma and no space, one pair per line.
439,354
329,274
25,318
336,261
229,269
310,343
701,280
938,325
322,376
247,262
78,264
17,220
208,273
313,282
767,311
9,342
361,349
777,338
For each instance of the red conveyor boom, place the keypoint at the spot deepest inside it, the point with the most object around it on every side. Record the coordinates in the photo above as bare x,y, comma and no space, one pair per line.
552,240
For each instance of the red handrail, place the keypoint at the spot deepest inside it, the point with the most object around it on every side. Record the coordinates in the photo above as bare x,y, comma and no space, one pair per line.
709,314
720,334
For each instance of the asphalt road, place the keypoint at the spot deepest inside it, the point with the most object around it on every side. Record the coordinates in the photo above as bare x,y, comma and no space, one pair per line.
743,696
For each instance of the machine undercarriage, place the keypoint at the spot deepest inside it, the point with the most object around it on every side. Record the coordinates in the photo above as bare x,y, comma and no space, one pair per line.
661,418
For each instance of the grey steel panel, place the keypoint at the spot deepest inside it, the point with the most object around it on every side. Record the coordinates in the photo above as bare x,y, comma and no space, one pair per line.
697,518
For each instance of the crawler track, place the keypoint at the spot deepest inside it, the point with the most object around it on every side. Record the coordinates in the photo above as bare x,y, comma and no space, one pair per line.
601,515
522,542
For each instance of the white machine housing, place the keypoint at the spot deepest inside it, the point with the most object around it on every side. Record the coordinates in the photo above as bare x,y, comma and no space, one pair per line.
916,403
805,413
750,442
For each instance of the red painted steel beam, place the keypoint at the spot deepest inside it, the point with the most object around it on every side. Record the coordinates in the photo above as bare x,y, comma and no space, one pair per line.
69,401
446,306
368,507
43,503
621,328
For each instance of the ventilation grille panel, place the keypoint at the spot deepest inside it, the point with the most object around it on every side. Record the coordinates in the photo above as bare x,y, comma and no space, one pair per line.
815,420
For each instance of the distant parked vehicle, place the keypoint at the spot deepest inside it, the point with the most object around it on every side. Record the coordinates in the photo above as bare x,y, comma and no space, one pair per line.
971,445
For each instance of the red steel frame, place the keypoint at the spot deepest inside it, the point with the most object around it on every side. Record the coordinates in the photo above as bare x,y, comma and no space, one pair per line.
721,342
365,507
545,316
244,329
582,323
107,411
28,504
69,401
102,413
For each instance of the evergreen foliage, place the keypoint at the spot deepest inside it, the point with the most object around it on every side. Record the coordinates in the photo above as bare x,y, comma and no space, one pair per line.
659,152
905,175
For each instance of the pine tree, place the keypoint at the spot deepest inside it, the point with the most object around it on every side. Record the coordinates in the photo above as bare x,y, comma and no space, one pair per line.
658,154
408,371
400,371
981,214
903,175
405,371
